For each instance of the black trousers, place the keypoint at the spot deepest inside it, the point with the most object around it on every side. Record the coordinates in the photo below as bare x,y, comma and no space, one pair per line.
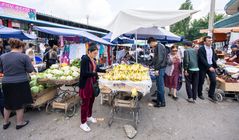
212,78
192,84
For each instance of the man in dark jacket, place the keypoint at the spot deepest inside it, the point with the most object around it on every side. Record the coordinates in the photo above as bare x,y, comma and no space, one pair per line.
207,65
159,62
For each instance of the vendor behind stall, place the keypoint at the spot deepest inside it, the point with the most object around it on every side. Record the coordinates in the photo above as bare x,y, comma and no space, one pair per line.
234,54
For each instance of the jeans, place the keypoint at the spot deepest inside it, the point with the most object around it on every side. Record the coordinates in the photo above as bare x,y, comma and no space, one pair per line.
160,86
192,84
212,86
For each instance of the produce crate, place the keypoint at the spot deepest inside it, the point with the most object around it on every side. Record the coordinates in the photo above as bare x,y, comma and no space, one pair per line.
68,104
43,97
105,94
58,82
225,86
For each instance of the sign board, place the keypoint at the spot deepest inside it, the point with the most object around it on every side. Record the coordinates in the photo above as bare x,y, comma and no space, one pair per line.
16,11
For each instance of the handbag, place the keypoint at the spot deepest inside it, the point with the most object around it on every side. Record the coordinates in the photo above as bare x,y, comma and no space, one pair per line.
96,89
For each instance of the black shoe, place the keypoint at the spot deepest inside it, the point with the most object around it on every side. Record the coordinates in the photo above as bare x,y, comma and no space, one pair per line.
155,94
201,97
212,99
5,126
163,105
175,98
169,95
160,105
155,101
157,105
23,125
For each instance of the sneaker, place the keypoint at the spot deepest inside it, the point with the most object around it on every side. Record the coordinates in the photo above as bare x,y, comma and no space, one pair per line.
201,97
212,99
194,101
85,127
91,119
190,100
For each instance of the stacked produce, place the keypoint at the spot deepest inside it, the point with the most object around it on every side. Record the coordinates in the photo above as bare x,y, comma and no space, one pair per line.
61,73
135,72
35,86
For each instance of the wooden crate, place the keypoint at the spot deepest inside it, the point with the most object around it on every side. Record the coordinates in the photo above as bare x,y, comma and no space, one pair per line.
225,86
66,103
125,103
43,97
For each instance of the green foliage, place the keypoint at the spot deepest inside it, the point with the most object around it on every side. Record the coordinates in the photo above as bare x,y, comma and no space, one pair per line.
181,28
191,29
197,24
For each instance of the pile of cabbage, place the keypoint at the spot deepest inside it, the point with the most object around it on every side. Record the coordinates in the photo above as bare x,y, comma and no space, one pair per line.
61,73
35,86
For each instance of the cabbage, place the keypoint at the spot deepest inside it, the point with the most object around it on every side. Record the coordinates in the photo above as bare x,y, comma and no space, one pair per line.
75,74
74,68
69,77
54,66
63,77
35,89
33,77
33,83
49,76
41,88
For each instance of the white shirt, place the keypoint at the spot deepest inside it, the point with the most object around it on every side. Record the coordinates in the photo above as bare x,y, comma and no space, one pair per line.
209,54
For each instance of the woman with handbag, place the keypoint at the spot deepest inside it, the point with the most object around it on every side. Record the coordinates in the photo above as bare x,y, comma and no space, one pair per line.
15,83
173,71
89,88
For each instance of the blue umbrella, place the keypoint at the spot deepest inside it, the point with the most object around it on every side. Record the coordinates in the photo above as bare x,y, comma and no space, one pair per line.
158,33
6,32
119,40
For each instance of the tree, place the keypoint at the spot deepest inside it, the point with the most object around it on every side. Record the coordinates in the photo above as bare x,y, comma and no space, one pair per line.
182,27
197,24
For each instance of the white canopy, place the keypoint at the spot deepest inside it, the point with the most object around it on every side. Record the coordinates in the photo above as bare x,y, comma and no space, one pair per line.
130,20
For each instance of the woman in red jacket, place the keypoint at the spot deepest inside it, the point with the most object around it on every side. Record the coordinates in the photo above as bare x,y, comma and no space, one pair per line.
88,76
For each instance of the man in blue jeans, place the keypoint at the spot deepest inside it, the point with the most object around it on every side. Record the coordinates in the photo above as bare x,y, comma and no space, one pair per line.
160,63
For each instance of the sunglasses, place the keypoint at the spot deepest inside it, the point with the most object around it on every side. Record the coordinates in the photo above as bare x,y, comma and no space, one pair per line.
174,50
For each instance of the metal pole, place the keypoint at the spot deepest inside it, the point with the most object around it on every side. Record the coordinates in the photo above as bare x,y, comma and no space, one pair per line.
211,18
136,47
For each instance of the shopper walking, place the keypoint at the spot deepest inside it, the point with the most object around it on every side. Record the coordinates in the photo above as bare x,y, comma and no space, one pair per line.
159,62
15,84
207,65
191,71
173,71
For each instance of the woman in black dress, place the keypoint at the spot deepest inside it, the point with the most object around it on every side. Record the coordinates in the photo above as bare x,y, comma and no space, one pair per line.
15,83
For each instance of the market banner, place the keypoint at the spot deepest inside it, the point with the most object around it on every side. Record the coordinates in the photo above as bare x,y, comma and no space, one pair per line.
16,11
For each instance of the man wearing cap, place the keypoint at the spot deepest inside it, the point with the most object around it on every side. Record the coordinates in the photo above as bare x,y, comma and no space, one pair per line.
191,71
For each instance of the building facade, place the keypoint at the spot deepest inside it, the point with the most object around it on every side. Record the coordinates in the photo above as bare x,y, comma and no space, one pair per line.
232,9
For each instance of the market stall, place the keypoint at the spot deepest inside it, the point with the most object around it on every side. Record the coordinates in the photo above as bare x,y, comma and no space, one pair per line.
64,80
227,79
127,84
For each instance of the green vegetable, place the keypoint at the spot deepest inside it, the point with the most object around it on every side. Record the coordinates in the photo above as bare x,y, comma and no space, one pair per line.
41,88
35,89
33,83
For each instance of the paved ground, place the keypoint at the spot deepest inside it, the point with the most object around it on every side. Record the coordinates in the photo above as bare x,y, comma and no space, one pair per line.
178,121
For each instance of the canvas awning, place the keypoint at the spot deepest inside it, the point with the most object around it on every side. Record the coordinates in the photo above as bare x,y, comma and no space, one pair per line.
129,20
6,32
71,33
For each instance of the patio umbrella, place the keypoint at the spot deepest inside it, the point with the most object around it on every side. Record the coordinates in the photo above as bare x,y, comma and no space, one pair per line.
119,40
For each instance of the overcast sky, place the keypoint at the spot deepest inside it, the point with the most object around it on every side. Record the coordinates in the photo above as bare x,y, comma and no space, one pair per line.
101,12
